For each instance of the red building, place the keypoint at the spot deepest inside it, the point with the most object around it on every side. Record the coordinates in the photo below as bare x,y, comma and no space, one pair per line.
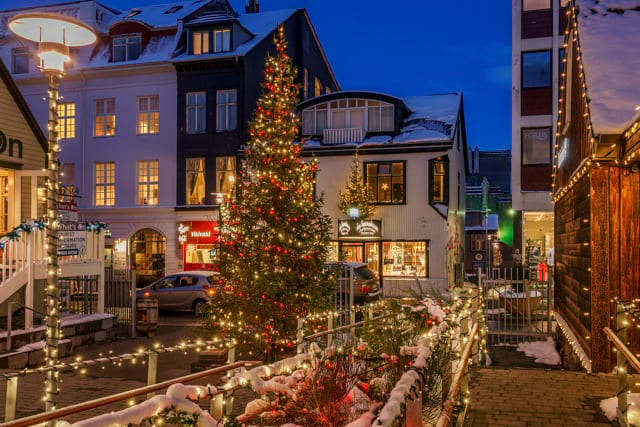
596,178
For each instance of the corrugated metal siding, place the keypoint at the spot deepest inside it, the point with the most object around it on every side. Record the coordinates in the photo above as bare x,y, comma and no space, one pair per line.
14,125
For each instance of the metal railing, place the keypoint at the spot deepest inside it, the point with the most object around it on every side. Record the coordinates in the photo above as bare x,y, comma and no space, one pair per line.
216,404
342,136
150,356
624,359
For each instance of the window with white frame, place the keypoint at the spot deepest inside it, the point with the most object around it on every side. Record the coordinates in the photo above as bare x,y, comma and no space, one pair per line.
369,115
20,60
127,48
105,183
66,120
200,42
148,182
104,117
222,40
226,110
225,174
195,181
148,114
196,112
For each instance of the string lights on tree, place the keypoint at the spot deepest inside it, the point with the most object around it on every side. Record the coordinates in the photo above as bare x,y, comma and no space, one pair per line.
355,198
273,236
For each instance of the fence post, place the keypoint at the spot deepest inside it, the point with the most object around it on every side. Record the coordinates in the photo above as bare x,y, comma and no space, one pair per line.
413,411
11,399
152,371
299,335
621,361
134,314
228,399
216,407
475,305
330,328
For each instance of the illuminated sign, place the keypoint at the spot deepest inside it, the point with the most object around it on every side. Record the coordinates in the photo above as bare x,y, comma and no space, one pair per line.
371,228
197,232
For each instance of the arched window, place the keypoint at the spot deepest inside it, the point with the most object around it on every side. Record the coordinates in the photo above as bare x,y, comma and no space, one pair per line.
366,114
148,251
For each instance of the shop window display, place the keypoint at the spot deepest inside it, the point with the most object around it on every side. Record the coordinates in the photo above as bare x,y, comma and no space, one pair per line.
405,259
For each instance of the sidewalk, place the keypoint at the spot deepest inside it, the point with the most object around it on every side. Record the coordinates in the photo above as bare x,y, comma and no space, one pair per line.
537,397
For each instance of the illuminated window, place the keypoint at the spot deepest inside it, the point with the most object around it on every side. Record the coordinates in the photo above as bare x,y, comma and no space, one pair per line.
226,110
147,182
196,112
20,60
195,181
66,120
407,259
200,42
105,179
222,40
317,87
369,115
148,114
225,174
439,182
477,242
105,117
4,203
127,48
386,182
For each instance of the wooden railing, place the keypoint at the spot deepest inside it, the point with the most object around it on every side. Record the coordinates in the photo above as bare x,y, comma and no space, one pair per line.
342,136
624,359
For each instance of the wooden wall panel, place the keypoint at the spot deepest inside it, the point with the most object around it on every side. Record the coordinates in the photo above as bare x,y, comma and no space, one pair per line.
572,258
601,257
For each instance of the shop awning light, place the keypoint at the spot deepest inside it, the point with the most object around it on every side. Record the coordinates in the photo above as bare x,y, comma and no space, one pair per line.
54,33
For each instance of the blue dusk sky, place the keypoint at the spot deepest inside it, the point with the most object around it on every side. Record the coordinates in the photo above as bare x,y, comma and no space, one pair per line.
415,47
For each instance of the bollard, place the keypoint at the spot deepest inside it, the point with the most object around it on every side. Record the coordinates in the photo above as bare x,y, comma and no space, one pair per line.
621,361
299,336
228,397
11,399
330,328
152,371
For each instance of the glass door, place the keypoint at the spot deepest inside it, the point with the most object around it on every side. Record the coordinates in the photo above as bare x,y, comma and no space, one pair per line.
353,252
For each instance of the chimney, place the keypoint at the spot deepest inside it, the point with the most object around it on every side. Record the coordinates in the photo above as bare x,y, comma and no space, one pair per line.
253,6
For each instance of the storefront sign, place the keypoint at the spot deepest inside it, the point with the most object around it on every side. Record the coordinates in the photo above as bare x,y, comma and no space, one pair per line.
198,232
72,239
11,143
370,228
67,212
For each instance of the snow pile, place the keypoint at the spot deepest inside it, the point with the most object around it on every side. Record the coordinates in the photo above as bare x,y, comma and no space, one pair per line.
610,405
393,408
179,397
544,351
609,36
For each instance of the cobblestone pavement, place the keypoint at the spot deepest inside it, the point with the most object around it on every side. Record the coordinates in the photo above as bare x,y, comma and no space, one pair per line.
537,397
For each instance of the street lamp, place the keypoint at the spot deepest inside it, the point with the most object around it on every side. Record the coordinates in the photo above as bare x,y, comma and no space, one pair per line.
54,34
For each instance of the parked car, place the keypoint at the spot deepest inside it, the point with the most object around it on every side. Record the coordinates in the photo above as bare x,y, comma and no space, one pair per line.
366,285
188,290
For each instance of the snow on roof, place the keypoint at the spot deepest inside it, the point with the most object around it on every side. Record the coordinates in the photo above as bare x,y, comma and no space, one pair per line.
260,24
441,107
158,49
609,37
159,15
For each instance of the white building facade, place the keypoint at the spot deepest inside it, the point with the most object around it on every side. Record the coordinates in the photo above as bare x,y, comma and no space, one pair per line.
537,61
412,153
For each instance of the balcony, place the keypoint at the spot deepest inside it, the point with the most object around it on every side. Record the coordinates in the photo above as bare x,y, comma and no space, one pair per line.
342,136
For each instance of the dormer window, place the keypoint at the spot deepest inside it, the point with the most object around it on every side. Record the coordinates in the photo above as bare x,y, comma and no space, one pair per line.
133,13
172,9
222,40
200,42
368,115
126,48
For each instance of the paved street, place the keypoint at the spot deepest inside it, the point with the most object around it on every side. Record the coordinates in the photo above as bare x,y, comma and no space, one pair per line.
97,382
537,397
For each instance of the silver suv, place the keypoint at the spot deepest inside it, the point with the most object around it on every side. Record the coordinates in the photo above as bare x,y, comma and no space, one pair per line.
188,290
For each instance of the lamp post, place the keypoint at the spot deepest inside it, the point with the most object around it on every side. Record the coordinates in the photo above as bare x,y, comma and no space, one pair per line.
54,34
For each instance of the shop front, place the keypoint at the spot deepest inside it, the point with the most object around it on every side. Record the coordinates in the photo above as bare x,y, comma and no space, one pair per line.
198,240
148,252
361,241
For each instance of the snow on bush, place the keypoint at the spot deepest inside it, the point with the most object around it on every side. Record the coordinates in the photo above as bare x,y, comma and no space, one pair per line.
544,351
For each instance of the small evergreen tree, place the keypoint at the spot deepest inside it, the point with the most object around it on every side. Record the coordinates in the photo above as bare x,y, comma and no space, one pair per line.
274,237
356,194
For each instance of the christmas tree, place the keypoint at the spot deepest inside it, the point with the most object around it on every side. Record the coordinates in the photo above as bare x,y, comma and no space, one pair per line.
274,237
355,198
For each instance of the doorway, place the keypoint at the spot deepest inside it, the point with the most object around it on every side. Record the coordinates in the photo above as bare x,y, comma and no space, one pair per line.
148,249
